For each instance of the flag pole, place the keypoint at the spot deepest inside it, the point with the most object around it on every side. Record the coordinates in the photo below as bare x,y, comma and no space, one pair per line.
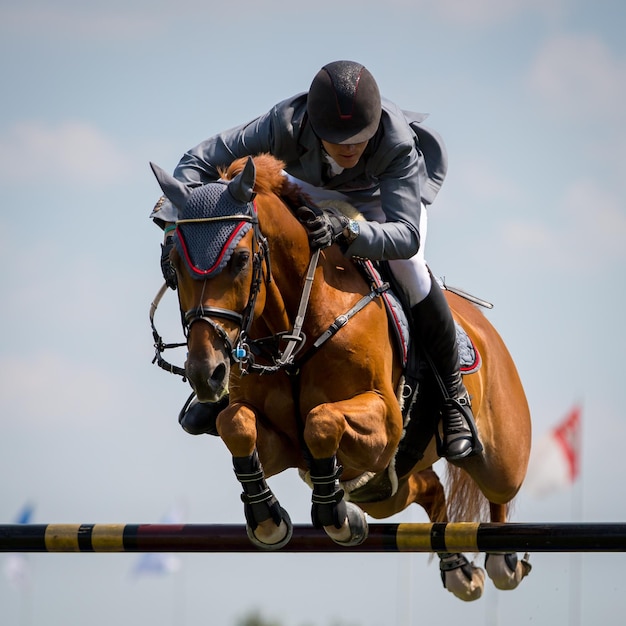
577,514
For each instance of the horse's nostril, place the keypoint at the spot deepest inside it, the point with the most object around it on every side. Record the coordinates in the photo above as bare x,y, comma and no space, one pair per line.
218,374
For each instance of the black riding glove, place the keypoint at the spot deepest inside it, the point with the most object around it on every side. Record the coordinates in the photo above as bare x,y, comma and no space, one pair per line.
167,269
324,228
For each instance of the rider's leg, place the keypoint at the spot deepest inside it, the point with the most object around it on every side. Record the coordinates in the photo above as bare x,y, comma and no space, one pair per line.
435,329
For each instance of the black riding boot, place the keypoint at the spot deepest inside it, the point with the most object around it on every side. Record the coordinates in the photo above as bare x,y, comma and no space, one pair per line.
436,331
198,418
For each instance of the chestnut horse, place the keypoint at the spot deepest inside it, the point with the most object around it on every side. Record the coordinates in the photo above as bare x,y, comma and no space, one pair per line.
265,321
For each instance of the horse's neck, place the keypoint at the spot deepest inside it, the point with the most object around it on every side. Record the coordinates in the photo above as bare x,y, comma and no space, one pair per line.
289,261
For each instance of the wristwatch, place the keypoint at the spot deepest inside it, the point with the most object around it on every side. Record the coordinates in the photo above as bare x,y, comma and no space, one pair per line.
351,231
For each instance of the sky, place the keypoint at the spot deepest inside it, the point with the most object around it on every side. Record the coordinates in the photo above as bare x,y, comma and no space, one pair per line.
529,96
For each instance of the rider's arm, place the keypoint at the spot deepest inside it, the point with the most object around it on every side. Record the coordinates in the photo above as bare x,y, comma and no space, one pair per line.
399,187
201,164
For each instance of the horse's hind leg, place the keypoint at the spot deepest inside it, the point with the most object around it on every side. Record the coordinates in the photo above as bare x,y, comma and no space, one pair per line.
504,568
458,575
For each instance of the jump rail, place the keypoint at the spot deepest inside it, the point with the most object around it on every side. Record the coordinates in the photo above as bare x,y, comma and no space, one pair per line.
384,537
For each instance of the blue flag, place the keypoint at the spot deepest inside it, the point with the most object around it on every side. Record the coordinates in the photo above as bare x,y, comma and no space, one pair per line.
16,567
160,563
26,514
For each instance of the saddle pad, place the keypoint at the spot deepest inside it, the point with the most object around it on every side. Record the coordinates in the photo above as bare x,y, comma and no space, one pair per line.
397,317
468,354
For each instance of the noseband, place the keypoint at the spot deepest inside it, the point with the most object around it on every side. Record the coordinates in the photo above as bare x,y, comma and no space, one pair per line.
206,314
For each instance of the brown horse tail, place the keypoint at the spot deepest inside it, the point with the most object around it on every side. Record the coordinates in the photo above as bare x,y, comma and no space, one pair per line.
466,503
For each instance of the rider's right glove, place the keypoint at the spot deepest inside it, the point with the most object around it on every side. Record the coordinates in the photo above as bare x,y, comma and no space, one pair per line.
323,229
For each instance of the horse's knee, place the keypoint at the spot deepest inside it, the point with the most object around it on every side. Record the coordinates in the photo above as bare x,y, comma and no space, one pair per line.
325,425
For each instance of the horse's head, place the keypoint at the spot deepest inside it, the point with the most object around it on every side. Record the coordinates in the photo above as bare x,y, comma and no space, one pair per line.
218,256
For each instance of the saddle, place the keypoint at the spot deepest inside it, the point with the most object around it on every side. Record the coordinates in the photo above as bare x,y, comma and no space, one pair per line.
417,393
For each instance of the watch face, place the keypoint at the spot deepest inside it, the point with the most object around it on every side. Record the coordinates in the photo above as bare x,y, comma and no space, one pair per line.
351,231
354,228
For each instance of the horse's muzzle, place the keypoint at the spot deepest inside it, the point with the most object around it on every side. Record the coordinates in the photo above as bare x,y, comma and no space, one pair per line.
208,379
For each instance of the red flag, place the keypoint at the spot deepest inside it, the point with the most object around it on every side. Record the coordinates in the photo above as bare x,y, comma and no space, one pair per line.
555,457
567,434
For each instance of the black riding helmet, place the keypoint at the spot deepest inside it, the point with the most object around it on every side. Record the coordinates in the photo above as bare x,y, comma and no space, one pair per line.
344,103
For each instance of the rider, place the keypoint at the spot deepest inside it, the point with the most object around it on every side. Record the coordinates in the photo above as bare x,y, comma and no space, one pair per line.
341,140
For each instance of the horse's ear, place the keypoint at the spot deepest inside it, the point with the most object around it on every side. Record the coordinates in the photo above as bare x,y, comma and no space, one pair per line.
174,190
241,187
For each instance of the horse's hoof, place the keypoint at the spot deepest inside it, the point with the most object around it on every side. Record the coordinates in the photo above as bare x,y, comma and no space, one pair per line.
505,570
277,537
354,530
461,578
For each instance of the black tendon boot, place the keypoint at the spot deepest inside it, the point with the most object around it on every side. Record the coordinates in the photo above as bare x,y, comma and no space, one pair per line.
198,418
259,501
329,507
436,331
260,504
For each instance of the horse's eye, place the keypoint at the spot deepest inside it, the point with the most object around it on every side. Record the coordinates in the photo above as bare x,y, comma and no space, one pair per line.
241,260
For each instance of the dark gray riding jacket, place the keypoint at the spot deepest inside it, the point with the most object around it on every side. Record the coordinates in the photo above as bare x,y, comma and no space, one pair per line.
403,165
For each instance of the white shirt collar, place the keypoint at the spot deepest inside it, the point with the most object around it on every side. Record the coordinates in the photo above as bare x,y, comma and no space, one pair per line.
334,167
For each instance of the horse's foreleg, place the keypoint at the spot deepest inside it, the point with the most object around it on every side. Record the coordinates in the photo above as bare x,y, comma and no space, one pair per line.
267,523
326,428
344,522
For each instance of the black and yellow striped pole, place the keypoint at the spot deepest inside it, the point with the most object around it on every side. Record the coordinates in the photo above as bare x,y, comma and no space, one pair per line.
409,537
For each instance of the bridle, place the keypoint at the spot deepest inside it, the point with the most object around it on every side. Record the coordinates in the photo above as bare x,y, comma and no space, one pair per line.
242,349
204,313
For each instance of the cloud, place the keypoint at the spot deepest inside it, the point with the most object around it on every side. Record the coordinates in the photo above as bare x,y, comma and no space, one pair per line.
577,76
597,220
489,12
139,20
485,181
51,388
590,234
86,21
71,152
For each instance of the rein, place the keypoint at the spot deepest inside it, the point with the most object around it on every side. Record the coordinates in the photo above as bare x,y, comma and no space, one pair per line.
159,345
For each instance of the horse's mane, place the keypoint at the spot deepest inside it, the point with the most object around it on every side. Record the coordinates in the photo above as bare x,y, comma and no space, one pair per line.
270,178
